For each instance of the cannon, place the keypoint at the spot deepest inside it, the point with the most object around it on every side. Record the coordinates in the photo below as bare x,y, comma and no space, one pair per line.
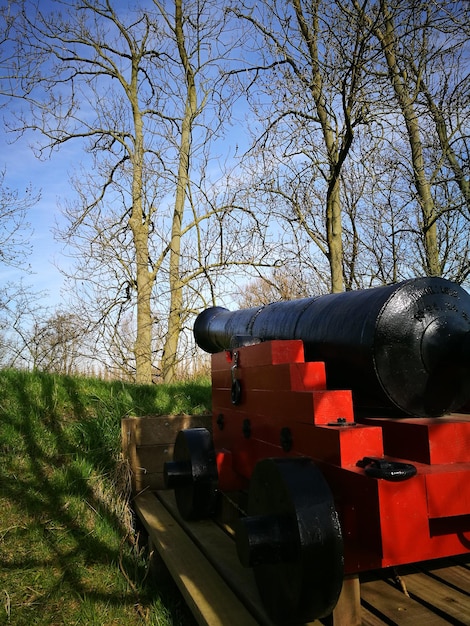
335,427
403,347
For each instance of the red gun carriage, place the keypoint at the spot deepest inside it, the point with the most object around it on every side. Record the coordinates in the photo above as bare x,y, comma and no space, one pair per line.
335,420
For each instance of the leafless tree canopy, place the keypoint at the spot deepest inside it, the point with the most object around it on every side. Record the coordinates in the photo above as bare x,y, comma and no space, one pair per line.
361,142
232,147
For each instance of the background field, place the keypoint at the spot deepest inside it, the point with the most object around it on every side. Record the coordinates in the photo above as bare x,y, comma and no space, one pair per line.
69,549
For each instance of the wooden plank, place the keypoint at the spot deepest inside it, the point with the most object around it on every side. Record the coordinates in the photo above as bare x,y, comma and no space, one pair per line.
210,599
219,548
389,603
369,619
433,602
446,599
152,458
456,576
161,429
147,481
147,466
347,612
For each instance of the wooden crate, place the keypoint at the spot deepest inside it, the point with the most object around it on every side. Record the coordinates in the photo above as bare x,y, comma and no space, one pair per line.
147,442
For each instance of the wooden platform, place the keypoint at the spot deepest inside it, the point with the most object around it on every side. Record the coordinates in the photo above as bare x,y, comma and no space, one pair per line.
202,559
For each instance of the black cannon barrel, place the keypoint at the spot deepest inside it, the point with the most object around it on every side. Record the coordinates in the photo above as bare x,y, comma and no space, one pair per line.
401,349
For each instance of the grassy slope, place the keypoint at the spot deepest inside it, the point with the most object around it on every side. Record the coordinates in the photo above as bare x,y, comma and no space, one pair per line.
68,552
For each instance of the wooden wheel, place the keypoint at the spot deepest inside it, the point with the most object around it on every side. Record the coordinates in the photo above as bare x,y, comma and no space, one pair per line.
292,539
193,473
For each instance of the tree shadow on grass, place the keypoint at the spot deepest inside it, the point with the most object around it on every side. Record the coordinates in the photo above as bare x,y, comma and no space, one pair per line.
67,553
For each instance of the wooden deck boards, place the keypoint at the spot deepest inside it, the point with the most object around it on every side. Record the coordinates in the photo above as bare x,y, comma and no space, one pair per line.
202,559
439,593
210,599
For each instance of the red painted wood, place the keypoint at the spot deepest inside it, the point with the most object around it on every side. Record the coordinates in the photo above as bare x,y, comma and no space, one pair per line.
283,376
448,492
387,524
384,523
427,440
266,353
228,478
319,407
342,446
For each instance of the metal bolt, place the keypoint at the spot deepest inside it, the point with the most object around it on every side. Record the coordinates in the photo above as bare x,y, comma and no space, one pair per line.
286,439
246,429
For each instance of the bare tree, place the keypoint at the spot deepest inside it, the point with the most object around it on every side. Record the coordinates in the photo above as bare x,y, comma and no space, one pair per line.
56,343
312,57
355,101
16,298
86,80
422,48
140,91
284,283
15,230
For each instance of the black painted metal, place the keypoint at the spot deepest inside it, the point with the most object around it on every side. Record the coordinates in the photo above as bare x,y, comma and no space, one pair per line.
193,473
402,347
220,421
177,474
236,392
285,439
292,539
246,428
394,471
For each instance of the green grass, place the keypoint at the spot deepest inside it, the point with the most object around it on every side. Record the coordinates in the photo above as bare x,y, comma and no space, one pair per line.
69,550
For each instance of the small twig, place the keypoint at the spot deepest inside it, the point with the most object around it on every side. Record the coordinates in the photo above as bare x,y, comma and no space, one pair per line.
7,604
92,508
9,529
138,607
399,580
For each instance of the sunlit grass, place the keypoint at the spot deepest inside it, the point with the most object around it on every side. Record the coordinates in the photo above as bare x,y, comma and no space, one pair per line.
69,550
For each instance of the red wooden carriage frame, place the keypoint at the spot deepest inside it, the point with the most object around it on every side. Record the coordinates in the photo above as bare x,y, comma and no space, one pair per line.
285,409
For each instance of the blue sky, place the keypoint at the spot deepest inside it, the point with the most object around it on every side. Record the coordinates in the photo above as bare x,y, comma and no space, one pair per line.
50,179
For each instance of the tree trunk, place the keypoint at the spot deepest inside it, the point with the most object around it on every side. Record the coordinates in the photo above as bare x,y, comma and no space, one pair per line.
428,223
336,154
143,342
446,145
139,224
335,237
170,350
